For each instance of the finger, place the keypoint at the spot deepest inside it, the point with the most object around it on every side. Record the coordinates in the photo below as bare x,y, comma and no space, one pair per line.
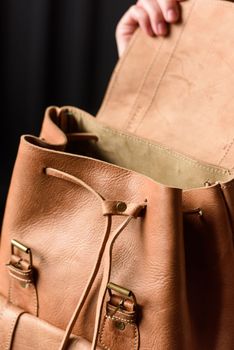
170,10
142,19
133,18
155,15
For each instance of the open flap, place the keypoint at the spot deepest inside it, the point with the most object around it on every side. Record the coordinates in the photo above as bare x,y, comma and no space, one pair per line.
179,90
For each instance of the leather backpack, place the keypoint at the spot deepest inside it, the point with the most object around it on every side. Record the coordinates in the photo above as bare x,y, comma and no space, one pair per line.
118,231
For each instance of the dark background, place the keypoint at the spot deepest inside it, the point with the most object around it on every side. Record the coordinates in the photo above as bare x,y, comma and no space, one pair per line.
53,52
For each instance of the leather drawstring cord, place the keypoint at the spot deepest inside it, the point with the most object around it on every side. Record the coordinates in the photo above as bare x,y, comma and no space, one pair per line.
109,208
106,280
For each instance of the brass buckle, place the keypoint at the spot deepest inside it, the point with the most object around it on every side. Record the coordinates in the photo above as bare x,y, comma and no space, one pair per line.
124,292
22,248
120,290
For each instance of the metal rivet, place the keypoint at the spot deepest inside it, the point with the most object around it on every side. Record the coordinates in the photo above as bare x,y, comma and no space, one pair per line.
121,206
120,325
200,212
24,284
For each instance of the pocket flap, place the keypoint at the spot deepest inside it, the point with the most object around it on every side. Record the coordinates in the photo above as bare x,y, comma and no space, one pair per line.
22,331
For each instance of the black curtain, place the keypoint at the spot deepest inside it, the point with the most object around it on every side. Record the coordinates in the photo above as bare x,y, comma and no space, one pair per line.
53,52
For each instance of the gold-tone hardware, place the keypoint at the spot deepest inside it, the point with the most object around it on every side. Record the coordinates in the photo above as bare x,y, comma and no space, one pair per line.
24,285
18,263
121,206
126,293
120,325
22,247
68,112
121,290
200,212
208,183
120,306
197,211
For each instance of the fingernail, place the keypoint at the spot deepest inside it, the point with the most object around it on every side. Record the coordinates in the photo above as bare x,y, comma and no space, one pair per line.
161,28
172,15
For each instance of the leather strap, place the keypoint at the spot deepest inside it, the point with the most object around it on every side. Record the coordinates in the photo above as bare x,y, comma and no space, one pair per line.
21,330
109,208
10,315
22,289
106,275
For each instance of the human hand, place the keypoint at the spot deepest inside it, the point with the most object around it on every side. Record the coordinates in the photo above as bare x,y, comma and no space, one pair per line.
152,16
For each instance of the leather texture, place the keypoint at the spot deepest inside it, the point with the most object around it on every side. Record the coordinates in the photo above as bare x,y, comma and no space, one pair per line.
121,242
21,330
82,219
179,90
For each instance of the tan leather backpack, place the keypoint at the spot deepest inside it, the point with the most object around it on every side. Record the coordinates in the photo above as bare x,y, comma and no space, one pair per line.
118,232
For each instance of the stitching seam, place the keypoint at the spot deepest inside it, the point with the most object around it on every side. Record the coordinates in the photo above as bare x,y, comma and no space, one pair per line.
101,335
174,154
136,338
127,124
118,67
20,279
166,66
115,318
227,151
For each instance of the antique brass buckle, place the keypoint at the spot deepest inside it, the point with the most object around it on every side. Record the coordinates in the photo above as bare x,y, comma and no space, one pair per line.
124,292
22,248
18,268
